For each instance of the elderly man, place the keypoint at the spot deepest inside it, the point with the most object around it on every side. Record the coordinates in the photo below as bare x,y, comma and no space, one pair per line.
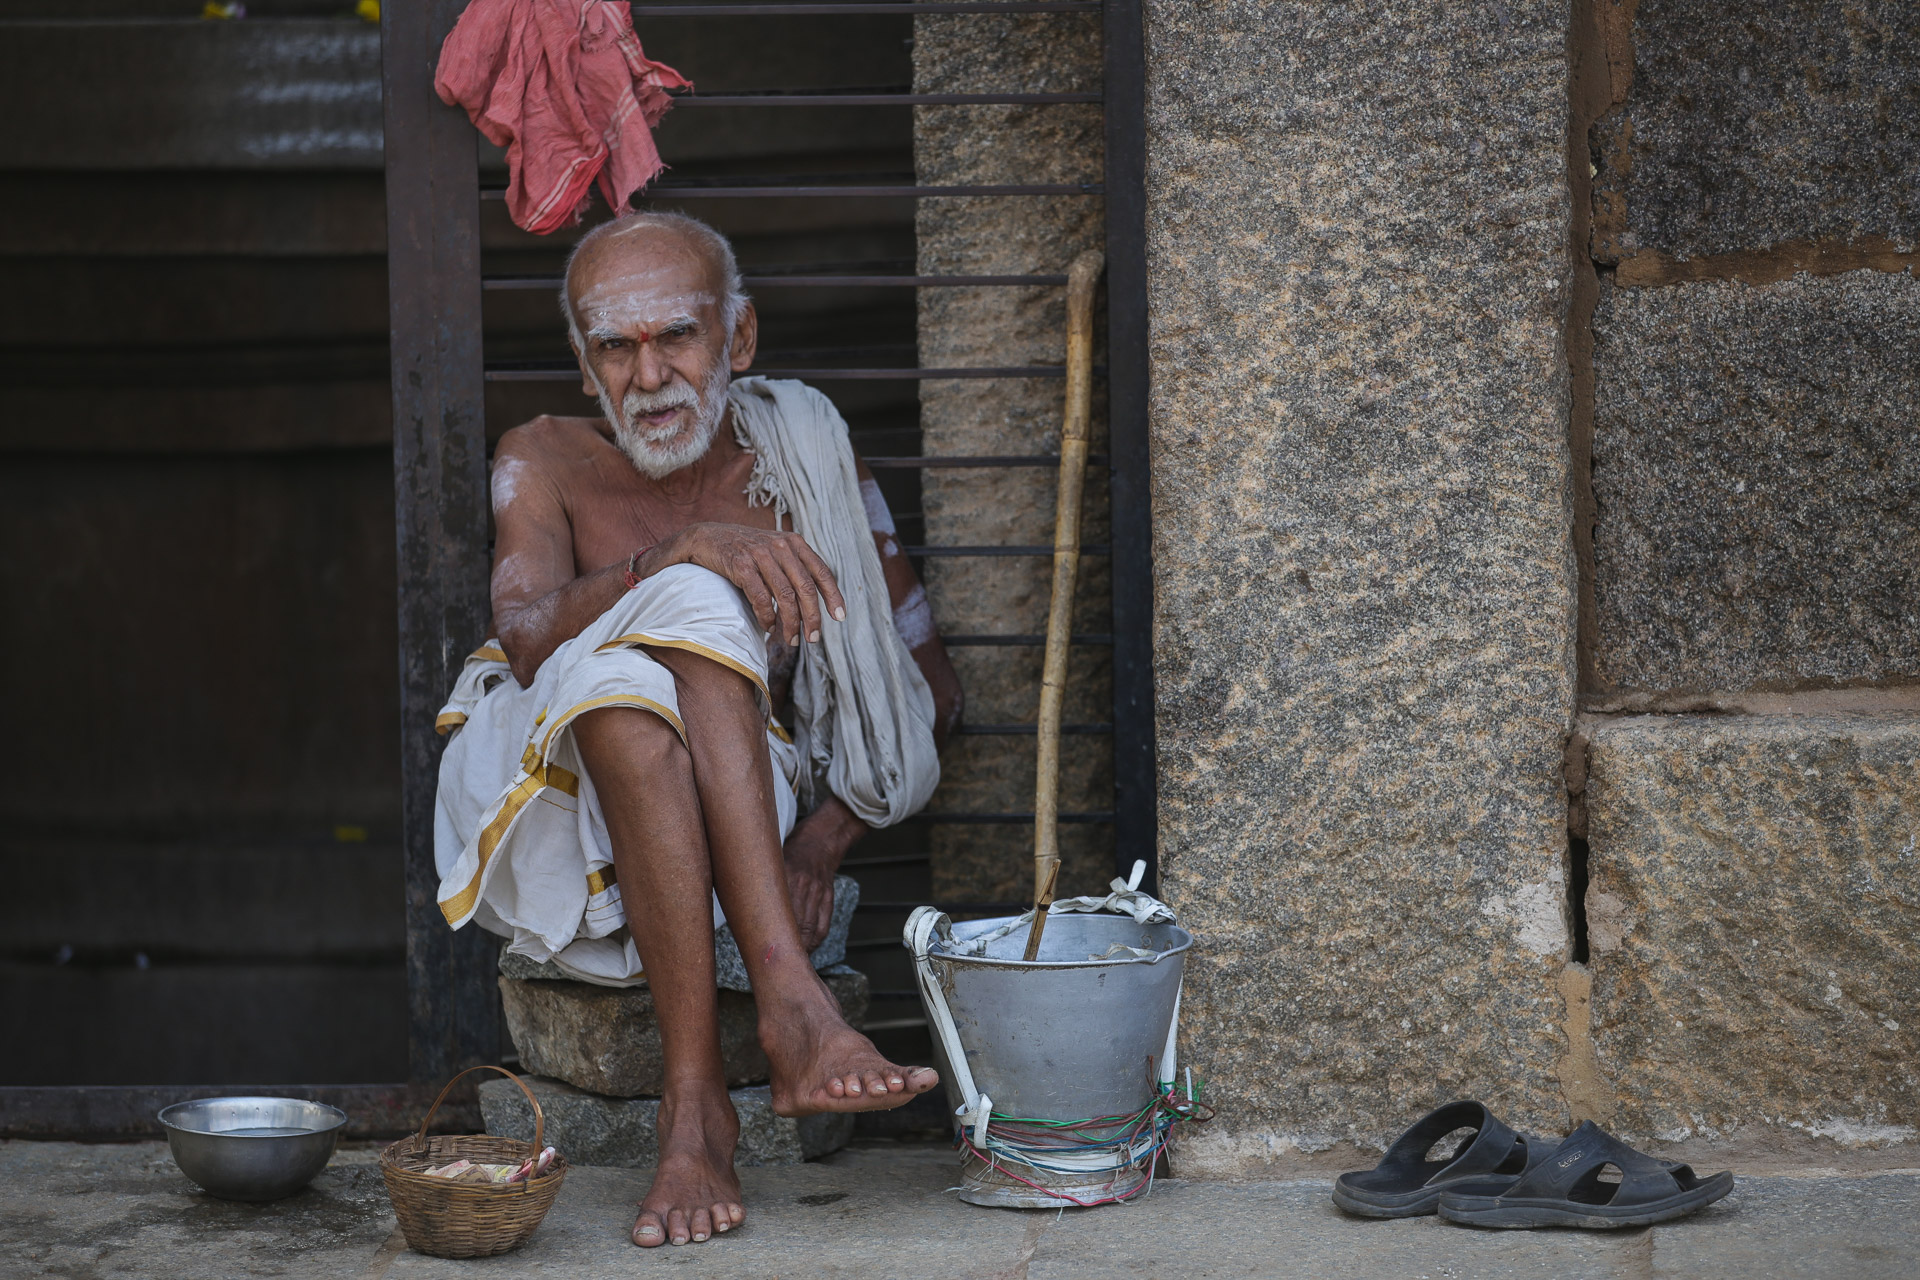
714,670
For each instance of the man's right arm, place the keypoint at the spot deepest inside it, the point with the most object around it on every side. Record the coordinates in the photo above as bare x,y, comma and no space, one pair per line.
538,603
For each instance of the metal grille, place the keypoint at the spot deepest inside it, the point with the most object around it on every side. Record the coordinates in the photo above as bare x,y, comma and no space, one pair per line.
440,381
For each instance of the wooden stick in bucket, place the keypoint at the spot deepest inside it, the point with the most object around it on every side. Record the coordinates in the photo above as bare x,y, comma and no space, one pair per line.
1082,276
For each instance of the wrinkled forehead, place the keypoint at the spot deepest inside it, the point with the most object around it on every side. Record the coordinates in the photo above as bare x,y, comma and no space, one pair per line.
646,274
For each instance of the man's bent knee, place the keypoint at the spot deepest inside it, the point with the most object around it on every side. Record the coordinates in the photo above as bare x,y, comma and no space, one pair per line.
629,737
710,673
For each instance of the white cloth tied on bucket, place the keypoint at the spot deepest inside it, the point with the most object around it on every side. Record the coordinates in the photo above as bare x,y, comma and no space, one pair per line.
1124,900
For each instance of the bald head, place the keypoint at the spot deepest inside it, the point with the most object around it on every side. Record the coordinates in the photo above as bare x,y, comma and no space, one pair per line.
648,253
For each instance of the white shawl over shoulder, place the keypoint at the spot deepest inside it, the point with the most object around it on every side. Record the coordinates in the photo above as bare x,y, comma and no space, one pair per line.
863,715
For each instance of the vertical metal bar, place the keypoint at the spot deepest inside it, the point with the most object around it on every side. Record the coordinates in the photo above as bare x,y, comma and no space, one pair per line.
1136,825
439,475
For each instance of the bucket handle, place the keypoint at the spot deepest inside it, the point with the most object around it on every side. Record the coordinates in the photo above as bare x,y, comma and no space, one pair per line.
922,927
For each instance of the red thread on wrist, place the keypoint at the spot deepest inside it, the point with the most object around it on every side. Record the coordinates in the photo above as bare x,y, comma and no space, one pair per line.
633,565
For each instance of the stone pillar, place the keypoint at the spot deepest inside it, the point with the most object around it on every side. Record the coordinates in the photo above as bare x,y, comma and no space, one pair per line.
1008,235
1358,231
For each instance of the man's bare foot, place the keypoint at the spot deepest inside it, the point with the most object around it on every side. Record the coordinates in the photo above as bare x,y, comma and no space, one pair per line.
695,1192
822,1064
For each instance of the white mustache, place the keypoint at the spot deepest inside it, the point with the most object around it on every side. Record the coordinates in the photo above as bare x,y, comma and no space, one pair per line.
636,403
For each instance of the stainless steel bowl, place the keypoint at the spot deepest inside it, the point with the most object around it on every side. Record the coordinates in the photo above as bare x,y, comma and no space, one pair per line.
252,1148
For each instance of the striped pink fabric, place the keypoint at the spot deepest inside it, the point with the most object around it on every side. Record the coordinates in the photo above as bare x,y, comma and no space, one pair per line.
565,88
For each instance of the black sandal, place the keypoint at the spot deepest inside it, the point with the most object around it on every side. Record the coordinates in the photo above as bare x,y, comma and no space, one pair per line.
1405,1183
1565,1190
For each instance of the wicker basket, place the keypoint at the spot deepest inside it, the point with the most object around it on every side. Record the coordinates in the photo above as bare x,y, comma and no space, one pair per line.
461,1219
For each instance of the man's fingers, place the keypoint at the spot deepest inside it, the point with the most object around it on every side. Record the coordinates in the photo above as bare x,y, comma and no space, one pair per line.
773,574
803,586
746,575
822,575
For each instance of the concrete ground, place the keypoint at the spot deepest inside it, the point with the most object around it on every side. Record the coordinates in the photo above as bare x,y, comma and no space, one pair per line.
884,1211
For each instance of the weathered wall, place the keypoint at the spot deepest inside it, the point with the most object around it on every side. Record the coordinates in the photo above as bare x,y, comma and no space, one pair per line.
1755,469
1754,896
1358,228
1008,235
1507,363
1752,922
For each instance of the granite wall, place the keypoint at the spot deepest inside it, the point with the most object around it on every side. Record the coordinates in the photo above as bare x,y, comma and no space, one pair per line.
1358,229
1532,415
1752,535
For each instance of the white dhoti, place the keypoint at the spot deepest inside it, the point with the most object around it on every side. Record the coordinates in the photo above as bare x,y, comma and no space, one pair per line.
520,841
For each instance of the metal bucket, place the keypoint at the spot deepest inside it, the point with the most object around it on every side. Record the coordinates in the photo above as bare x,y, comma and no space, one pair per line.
1077,1033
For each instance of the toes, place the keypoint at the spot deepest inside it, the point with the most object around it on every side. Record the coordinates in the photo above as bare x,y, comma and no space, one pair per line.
877,1083
677,1226
736,1214
851,1083
702,1226
647,1232
723,1218
836,1087
921,1079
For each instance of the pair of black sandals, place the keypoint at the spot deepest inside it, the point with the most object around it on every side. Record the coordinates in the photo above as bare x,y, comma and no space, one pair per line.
1499,1178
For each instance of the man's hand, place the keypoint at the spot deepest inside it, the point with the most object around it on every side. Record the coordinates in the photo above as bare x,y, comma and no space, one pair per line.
813,854
782,577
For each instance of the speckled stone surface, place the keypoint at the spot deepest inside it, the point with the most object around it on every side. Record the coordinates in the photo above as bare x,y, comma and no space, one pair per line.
1756,463
1754,923
1033,53
593,1130
607,1039
1760,123
1357,232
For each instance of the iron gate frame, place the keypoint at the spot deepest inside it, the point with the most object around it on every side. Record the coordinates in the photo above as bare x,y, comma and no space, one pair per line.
440,452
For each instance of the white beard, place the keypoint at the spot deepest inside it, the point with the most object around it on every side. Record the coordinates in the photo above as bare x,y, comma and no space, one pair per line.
657,457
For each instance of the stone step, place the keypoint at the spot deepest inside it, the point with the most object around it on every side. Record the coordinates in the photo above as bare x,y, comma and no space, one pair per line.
593,1130
606,1040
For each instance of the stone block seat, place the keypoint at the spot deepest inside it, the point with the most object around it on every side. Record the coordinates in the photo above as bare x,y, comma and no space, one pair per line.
592,1056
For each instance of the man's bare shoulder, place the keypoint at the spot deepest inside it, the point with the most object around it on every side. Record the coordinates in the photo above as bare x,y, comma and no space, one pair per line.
538,464
554,438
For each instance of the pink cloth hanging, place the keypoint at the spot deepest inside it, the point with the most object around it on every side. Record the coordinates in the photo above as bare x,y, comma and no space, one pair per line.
564,86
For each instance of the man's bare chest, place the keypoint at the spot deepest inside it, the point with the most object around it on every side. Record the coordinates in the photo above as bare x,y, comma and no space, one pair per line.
612,518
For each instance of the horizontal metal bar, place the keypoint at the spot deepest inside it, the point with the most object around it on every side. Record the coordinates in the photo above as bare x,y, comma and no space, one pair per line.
892,1024
891,860
557,372
818,281
856,9
691,191
1013,907
1091,549
873,944
1027,730
985,641
892,281
784,99
910,462
976,819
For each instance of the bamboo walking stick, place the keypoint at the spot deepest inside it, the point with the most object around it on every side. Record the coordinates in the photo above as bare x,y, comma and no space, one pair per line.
1082,276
